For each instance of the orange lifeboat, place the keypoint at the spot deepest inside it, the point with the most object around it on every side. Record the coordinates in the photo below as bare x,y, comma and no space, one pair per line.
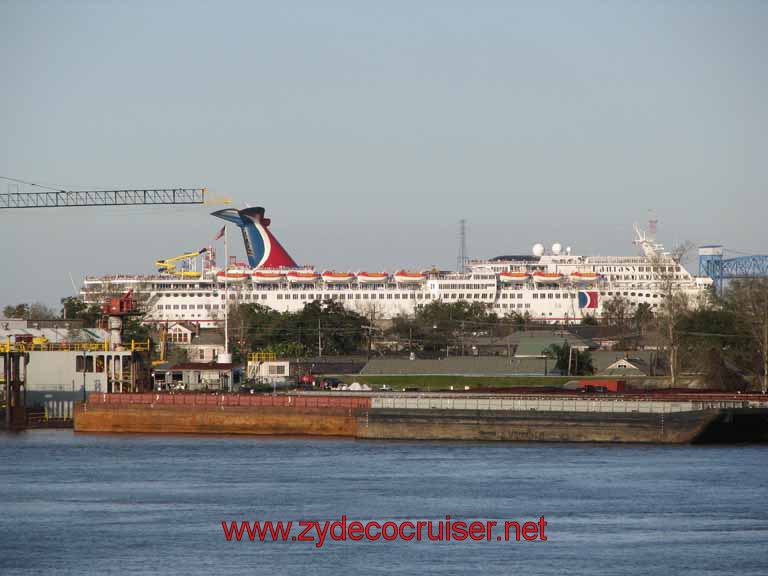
584,277
510,277
267,277
372,277
403,277
232,276
301,276
331,277
547,277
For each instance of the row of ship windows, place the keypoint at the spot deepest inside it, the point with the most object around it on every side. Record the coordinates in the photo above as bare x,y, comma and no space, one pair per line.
311,297
658,269
465,286
644,277
298,296
552,296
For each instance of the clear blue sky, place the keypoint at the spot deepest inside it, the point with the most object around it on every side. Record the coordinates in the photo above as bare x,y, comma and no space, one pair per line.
368,130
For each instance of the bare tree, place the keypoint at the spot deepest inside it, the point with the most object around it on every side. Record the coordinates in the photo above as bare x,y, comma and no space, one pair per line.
617,313
748,299
374,312
674,306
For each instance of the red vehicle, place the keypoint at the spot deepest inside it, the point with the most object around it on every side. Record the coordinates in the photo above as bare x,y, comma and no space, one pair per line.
307,379
614,386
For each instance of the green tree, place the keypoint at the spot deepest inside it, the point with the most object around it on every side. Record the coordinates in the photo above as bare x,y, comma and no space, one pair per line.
73,308
134,330
34,311
19,311
569,361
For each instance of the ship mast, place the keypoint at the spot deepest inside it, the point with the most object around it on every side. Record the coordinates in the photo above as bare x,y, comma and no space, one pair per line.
226,295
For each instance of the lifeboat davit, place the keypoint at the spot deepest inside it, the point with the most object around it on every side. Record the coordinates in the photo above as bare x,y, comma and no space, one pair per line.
510,277
403,277
233,276
302,276
584,277
372,277
547,277
331,277
267,277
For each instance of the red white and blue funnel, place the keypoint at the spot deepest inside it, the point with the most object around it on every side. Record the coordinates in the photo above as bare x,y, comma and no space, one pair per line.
261,247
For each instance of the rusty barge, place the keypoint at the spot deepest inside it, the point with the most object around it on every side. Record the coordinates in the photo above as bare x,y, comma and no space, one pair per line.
523,418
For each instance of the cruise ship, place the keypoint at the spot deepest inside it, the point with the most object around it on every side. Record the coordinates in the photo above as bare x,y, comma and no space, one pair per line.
549,285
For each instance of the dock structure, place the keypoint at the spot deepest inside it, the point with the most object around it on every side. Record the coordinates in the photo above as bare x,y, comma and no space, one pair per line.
13,376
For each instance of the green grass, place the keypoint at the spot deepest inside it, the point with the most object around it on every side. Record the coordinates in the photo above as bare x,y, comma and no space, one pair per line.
421,382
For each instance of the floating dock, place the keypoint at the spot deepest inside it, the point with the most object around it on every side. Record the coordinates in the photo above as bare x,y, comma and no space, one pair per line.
526,418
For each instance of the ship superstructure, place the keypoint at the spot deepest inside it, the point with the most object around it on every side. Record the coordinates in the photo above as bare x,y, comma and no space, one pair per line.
552,285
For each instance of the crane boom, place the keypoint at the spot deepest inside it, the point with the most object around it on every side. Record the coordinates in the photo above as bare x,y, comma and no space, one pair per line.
70,198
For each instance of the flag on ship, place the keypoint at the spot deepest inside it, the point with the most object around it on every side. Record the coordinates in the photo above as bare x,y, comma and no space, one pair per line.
220,234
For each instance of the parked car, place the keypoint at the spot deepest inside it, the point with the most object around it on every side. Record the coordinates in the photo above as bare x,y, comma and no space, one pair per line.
307,379
331,383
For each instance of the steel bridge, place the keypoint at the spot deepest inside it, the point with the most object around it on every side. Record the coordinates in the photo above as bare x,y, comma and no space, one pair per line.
713,264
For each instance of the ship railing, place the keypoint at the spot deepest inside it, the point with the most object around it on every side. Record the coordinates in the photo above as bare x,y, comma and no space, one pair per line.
103,346
262,357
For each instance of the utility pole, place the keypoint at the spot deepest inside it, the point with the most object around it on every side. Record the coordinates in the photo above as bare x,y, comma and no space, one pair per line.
319,339
576,358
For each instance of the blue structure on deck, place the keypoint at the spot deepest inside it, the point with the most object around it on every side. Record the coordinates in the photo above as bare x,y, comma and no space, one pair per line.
713,264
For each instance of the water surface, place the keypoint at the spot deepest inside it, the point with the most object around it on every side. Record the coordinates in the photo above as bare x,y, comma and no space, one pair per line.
103,504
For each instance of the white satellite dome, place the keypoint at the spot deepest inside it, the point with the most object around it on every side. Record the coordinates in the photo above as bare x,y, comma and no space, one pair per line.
538,249
557,248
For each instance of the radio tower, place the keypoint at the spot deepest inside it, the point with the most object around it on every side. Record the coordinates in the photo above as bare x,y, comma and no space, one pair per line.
462,245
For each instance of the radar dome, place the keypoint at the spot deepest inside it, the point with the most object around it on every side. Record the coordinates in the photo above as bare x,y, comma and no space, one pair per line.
538,249
557,248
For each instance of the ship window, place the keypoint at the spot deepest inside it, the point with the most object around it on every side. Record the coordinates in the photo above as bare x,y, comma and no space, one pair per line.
279,296
175,306
550,296
263,296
